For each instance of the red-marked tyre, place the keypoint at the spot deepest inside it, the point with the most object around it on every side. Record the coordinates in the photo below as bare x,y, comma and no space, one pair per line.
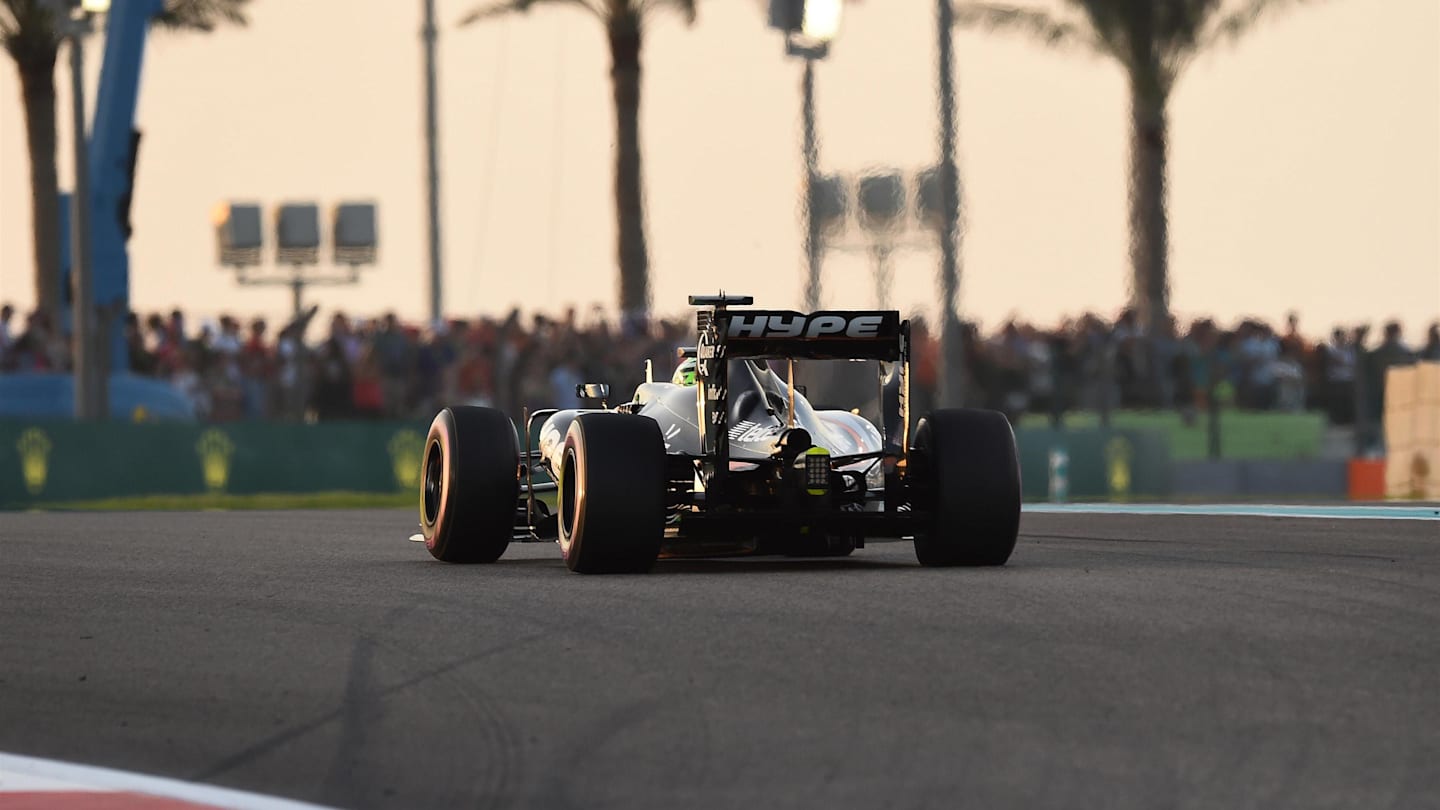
470,485
967,476
612,494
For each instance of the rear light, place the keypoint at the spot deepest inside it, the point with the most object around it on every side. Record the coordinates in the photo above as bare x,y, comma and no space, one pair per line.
816,465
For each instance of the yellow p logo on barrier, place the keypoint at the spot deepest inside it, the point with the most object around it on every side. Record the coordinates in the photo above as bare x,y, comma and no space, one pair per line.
1118,455
215,450
34,447
405,449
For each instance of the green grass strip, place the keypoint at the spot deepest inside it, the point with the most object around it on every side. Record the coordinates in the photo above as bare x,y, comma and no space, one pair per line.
267,500
257,501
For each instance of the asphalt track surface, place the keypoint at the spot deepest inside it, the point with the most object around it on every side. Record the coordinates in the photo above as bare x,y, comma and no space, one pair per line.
1117,662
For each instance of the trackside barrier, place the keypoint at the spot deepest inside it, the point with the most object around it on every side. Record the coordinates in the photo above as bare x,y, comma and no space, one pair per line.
1329,479
57,461
1244,435
1098,464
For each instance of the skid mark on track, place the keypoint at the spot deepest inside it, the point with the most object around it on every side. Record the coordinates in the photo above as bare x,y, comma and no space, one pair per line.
262,747
499,761
345,778
568,780
485,770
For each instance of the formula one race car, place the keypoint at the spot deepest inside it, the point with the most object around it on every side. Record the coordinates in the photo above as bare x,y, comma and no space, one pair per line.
729,458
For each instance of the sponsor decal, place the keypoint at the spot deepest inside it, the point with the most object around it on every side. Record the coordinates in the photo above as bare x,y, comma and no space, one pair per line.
406,450
34,447
797,325
551,438
215,450
747,431
707,351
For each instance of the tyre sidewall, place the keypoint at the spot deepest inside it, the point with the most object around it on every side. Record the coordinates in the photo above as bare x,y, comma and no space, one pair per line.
612,493
479,485
572,501
969,472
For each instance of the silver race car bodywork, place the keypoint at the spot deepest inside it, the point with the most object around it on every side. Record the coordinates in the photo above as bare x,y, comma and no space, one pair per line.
738,462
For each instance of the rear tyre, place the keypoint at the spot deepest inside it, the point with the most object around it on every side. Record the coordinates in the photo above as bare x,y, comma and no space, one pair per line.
967,476
612,494
470,485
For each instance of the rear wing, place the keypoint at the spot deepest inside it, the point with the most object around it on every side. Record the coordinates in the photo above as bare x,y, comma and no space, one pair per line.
787,334
828,335
740,334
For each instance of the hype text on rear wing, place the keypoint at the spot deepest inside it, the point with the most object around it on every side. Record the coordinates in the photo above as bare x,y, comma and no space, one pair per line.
830,335
738,334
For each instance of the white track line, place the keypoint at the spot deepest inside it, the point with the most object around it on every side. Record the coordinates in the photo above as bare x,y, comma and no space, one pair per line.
20,774
1243,510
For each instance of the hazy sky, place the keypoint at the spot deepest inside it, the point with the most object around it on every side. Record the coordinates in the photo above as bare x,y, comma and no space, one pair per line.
1305,168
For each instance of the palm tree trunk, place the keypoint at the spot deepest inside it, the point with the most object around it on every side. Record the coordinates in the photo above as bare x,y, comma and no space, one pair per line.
629,191
1149,240
37,83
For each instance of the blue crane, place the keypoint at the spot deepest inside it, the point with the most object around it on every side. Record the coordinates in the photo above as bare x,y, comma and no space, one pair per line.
110,159
114,145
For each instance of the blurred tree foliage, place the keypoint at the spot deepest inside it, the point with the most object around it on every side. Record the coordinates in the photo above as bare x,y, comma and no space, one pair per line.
1154,41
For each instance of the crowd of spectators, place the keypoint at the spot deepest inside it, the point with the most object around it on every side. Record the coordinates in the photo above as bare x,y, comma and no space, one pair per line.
1092,364
363,368
385,369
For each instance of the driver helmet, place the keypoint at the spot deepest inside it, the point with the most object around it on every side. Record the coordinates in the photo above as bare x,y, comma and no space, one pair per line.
685,373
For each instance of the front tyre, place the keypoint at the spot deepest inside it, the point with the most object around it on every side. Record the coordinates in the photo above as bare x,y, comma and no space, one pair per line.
470,485
613,485
967,476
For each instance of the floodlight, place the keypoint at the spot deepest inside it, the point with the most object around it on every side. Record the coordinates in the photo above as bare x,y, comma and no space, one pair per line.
821,20
238,233
882,200
787,15
355,233
297,233
929,197
831,202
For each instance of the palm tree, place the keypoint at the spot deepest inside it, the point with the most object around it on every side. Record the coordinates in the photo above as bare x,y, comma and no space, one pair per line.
624,22
30,34
1153,40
